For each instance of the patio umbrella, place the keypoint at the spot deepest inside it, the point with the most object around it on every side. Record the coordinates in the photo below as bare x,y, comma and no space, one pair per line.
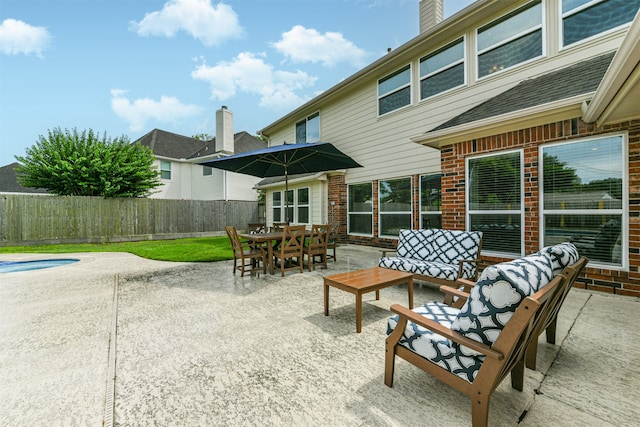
285,160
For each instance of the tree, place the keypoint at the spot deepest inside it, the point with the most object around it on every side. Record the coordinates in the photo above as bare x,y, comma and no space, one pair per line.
82,164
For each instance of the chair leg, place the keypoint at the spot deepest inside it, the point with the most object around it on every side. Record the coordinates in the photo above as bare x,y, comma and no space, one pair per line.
517,376
532,354
480,409
551,330
389,364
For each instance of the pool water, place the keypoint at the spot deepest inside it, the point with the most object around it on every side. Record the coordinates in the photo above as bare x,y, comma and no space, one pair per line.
14,266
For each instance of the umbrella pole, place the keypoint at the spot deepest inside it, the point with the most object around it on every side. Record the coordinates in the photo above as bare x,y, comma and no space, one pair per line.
286,196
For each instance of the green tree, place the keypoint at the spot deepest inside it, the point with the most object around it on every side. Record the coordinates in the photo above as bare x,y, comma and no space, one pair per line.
70,163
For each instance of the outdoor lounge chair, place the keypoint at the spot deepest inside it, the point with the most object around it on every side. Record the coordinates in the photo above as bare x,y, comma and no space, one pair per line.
245,255
470,349
291,247
316,246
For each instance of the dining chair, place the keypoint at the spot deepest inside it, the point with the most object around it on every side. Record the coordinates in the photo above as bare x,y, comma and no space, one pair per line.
291,247
279,226
247,255
316,246
331,241
254,228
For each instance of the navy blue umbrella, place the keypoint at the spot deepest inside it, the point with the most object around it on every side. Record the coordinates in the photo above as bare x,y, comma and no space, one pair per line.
285,160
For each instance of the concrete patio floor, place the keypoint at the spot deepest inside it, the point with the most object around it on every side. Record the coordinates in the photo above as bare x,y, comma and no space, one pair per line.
119,340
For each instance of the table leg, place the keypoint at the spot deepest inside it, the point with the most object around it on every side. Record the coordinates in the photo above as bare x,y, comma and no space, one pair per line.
358,312
377,294
410,287
326,300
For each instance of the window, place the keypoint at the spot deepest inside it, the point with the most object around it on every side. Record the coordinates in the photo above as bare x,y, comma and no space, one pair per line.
277,206
302,206
511,40
360,209
165,169
582,19
207,171
394,91
442,70
394,202
297,206
495,207
583,197
308,130
430,201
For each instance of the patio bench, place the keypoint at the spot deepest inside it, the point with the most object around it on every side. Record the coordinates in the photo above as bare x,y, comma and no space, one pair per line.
435,255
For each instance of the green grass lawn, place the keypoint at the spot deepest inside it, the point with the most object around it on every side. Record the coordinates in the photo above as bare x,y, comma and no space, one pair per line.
199,249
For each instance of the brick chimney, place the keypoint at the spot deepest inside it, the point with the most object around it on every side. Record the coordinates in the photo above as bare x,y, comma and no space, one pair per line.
431,12
224,130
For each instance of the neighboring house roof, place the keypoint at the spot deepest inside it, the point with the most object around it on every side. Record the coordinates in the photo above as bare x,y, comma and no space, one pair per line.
577,79
174,146
9,181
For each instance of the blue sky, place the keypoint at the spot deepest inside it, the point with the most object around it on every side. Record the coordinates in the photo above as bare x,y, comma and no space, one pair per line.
125,67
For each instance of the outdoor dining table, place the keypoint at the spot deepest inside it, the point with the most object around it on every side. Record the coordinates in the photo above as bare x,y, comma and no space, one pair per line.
271,238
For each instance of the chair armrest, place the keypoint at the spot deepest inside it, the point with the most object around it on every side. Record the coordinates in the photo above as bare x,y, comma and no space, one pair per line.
466,284
445,332
385,251
450,293
461,262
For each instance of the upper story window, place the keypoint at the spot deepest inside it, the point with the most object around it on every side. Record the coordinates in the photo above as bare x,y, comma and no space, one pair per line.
442,70
165,169
207,171
510,40
582,19
308,130
394,91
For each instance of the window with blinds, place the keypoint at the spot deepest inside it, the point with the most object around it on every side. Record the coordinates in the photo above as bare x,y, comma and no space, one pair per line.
494,201
394,202
583,195
360,209
431,201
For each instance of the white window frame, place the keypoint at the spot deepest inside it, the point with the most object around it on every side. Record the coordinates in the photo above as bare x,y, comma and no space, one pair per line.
292,207
575,11
508,40
349,213
463,61
207,171
381,213
303,205
397,89
470,212
434,213
279,207
165,167
306,121
624,211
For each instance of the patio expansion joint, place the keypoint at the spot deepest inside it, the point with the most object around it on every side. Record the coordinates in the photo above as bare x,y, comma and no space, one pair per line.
109,399
538,391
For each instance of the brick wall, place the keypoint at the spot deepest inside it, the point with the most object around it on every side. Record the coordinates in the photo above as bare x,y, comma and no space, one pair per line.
453,190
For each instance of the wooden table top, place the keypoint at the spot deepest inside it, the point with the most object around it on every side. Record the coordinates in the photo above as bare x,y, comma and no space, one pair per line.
369,276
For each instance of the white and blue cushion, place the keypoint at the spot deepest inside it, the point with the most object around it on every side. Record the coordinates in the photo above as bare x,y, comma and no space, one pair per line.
562,255
435,347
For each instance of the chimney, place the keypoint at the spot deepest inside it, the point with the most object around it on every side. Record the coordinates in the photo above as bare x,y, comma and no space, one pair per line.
224,130
431,12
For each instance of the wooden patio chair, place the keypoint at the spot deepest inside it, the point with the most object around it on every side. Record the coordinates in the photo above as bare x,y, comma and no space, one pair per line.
279,226
291,247
331,243
457,348
245,255
316,246
564,259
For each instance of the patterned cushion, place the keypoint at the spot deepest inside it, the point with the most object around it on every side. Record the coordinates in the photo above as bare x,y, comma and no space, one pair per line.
498,293
562,255
434,347
426,268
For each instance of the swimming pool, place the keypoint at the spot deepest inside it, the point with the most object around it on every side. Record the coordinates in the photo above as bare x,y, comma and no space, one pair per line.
15,266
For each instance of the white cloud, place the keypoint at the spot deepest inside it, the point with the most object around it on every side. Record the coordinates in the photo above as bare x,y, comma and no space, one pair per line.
301,44
137,112
18,37
205,22
250,74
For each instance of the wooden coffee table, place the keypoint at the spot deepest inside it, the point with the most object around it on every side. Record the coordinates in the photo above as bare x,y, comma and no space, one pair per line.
362,281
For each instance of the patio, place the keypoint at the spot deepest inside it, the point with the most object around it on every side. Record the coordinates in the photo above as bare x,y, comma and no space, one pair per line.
128,341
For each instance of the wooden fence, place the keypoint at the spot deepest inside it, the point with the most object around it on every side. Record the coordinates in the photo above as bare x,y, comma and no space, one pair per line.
33,219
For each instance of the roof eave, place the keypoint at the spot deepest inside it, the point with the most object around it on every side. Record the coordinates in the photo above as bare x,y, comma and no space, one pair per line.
620,78
564,109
